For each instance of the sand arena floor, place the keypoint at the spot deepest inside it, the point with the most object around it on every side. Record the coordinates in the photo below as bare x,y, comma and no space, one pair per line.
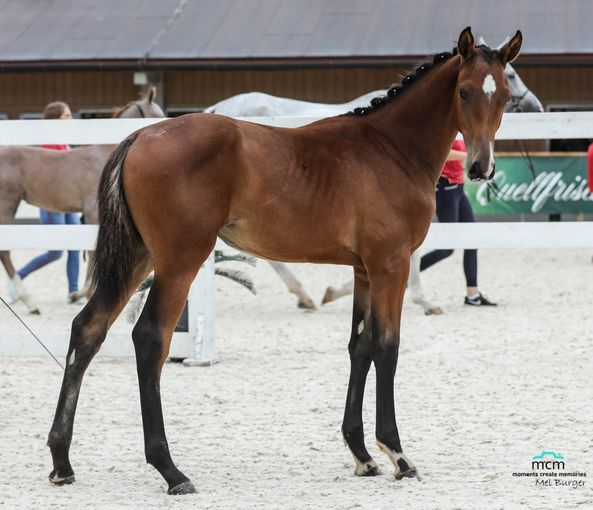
478,393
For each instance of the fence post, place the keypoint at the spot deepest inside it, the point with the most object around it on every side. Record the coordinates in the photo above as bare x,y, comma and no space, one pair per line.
201,313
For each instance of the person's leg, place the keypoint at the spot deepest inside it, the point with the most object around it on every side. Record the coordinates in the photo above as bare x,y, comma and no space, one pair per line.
447,201
47,218
72,266
470,257
470,260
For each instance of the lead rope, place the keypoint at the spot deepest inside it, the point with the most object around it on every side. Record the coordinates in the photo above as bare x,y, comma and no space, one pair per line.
527,157
30,331
522,146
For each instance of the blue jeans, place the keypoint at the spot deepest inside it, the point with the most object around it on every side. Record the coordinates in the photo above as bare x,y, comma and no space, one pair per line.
56,218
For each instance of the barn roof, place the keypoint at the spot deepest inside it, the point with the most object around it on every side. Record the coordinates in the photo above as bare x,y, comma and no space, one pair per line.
143,32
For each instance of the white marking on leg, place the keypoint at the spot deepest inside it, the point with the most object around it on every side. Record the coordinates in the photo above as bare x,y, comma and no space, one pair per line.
364,468
360,327
394,457
59,479
17,282
72,357
489,86
23,294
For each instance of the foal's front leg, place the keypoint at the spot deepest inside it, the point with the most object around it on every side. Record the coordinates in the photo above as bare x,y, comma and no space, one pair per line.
360,362
387,292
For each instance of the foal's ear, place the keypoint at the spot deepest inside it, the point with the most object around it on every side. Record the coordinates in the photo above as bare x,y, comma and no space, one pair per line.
465,44
510,50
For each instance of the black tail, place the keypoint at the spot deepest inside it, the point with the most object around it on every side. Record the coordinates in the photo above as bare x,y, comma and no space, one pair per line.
118,238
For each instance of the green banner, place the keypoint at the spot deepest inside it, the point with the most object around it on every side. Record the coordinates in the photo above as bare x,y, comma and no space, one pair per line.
560,186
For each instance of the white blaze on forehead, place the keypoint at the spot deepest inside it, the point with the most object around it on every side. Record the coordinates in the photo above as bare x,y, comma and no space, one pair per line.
489,86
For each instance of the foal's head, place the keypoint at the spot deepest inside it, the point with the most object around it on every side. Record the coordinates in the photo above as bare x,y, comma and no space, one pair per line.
482,94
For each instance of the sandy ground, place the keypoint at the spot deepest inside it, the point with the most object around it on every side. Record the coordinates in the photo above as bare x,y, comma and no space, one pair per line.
478,393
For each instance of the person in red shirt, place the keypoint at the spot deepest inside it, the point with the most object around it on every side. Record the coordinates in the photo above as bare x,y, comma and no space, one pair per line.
453,206
57,110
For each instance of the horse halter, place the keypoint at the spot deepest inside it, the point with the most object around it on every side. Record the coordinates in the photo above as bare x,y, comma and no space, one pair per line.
516,101
140,110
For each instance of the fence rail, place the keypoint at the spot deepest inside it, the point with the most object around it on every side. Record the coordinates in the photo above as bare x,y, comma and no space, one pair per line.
515,126
200,341
573,234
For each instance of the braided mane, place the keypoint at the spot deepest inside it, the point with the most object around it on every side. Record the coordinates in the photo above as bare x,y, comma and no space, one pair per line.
397,90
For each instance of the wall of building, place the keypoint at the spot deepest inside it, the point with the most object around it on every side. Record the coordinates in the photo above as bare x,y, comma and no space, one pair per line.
27,92
334,85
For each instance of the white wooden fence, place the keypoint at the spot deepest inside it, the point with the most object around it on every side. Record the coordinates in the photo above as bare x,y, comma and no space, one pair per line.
199,343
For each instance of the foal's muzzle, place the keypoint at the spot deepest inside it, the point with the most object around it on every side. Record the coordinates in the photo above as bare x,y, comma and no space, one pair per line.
476,173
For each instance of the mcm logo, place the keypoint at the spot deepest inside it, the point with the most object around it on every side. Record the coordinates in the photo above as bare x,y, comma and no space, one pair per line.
547,460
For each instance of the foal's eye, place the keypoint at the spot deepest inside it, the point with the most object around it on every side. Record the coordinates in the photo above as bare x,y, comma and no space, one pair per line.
463,94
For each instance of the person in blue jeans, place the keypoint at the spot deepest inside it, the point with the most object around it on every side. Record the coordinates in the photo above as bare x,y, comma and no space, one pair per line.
453,206
72,264
57,110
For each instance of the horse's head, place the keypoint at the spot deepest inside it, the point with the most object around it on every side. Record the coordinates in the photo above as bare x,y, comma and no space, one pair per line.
143,107
522,99
482,95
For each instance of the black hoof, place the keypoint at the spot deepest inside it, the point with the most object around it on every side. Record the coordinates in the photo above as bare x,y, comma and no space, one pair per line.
306,304
182,488
368,468
410,473
372,471
61,480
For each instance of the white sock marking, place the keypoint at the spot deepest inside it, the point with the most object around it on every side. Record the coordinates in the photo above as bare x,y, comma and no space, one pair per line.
364,468
394,457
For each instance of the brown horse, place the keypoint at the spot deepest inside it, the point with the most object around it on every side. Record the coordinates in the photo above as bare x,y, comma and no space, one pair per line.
355,189
57,181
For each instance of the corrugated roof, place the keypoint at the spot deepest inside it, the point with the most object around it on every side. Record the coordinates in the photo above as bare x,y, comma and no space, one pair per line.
85,30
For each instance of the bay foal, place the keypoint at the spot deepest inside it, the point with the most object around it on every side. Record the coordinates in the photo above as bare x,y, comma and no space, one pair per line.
355,189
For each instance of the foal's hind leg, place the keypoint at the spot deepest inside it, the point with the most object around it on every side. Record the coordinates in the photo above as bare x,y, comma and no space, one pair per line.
360,361
89,329
152,337
388,281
